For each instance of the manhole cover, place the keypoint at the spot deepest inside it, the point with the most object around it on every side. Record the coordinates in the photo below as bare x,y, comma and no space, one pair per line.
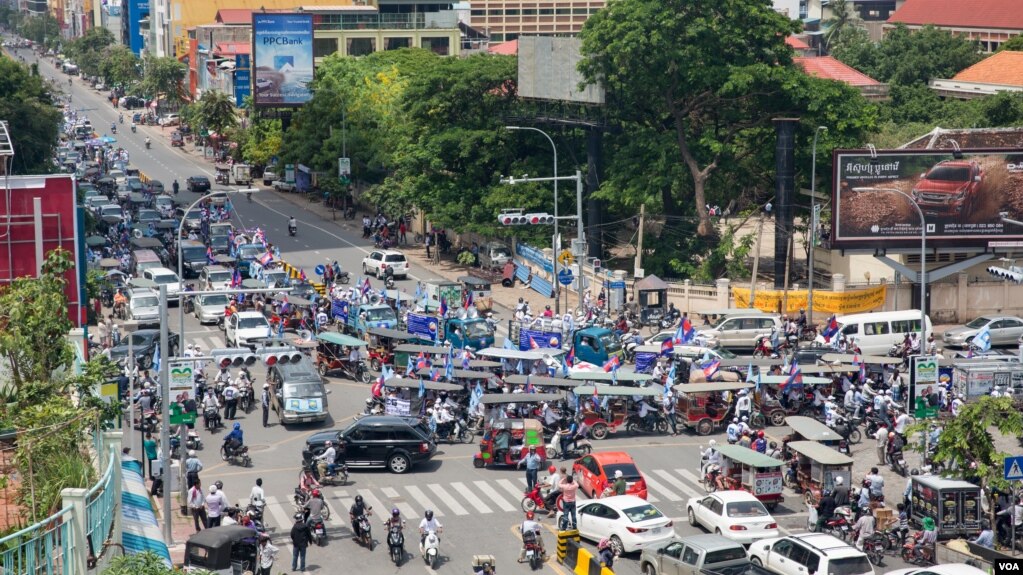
258,447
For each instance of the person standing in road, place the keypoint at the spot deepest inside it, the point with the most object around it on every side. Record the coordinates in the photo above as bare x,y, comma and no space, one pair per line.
215,505
301,535
668,405
265,402
267,553
619,486
192,468
882,444
230,400
533,462
197,506
569,488
149,450
428,240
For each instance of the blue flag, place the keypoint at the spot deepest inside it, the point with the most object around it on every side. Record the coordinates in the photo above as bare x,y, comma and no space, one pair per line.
422,388
518,367
749,373
508,343
156,360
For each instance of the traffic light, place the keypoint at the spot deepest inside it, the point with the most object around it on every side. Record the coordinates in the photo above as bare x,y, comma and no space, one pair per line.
1013,274
540,219
511,218
517,218
233,357
275,355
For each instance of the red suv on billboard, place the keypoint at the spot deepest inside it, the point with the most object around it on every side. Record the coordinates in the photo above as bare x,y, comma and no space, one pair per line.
950,188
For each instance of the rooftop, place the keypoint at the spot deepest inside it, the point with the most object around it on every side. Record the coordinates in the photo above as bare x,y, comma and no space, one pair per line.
796,43
999,14
234,16
829,68
940,139
509,48
1005,68
232,48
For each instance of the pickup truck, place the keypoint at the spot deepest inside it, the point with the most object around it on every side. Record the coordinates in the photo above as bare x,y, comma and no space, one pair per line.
746,569
282,186
694,555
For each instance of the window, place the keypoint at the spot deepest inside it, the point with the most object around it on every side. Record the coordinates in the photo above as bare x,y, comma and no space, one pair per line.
766,323
529,12
783,548
905,326
479,12
798,553
715,507
438,45
546,11
690,557
323,47
852,329
848,566
360,46
511,12
673,550
813,562
875,328
397,43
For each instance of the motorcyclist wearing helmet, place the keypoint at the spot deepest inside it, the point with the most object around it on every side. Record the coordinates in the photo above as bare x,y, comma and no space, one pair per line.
429,523
395,520
313,508
605,554
551,483
760,443
711,456
328,459
235,439
358,509
530,529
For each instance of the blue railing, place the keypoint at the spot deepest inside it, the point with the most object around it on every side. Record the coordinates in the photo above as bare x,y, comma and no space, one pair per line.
100,508
46,548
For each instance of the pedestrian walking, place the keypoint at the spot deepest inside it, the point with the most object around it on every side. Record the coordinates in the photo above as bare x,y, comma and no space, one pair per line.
230,400
265,402
197,506
533,462
669,411
267,555
149,449
216,503
428,240
882,445
301,535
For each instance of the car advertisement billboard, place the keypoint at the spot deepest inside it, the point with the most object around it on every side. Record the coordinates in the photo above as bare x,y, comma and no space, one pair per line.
282,52
963,198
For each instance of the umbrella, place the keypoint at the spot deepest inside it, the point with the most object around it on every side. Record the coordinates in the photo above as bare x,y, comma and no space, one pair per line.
142,283
95,241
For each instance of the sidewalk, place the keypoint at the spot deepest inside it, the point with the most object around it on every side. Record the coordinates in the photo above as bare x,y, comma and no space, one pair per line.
181,528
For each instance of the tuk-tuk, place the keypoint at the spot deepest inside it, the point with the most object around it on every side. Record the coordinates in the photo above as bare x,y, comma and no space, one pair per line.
406,351
457,375
225,550
407,401
382,342
748,470
480,289
603,421
542,382
623,377
510,358
770,406
701,407
516,405
507,441
223,174
652,295
332,354
815,468
809,429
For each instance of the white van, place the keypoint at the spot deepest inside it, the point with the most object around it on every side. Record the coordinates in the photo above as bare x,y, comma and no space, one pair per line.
876,333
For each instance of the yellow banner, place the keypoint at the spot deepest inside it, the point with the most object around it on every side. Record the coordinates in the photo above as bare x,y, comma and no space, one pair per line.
823,301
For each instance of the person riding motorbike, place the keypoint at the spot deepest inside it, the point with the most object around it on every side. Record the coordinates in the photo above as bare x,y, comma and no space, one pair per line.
358,509
235,439
551,484
148,142
292,225
120,303
925,541
312,511
429,524
175,186
389,276
134,127
530,526
328,459
120,118
113,128
307,481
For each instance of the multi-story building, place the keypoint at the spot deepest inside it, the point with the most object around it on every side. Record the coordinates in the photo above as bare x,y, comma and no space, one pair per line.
989,22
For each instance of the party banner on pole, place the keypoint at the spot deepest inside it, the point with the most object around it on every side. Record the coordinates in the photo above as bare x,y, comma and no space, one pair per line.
770,301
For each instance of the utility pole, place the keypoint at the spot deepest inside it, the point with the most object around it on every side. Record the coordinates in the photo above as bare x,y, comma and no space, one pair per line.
756,261
639,244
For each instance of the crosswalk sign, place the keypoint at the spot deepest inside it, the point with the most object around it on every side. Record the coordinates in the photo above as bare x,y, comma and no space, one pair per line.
1013,468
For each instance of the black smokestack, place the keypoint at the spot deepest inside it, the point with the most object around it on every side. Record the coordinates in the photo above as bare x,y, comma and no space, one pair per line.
785,176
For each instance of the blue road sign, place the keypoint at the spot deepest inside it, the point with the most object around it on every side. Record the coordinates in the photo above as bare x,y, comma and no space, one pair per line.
565,277
617,285
320,270
1013,468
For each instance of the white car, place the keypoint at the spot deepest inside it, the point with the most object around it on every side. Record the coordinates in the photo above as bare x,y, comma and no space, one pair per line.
210,308
377,260
170,120
735,515
630,523
144,306
264,84
164,276
111,210
215,278
806,553
245,328
947,569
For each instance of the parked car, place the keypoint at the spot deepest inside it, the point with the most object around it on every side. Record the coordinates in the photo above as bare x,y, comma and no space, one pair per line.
210,308
494,254
946,569
392,442
1004,330
269,175
246,328
170,120
198,184
806,553
628,522
735,515
378,260
699,552
596,471
950,188
143,344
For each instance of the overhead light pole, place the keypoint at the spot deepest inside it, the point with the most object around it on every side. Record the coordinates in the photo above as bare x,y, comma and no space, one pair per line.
814,216
923,257
554,241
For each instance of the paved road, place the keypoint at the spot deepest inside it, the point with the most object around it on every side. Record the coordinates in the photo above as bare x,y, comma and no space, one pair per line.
479,508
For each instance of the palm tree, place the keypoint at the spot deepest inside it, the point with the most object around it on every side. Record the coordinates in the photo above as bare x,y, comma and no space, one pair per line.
842,15
217,112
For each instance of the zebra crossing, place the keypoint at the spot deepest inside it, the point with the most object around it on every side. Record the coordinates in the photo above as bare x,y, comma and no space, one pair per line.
460,498
211,339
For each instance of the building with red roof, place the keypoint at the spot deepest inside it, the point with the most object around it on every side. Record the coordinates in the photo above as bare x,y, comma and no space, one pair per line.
989,22
829,68
1001,72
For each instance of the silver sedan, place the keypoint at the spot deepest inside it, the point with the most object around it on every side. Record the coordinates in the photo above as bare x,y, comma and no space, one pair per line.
210,308
1004,330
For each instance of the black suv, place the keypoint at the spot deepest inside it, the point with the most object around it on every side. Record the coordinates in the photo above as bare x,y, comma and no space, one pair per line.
198,184
812,354
144,343
390,441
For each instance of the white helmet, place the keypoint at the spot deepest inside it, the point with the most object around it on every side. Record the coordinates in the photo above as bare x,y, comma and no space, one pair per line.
618,473
713,442
838,481
191,453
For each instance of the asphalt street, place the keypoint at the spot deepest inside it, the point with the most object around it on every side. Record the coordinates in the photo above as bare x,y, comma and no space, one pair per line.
479,508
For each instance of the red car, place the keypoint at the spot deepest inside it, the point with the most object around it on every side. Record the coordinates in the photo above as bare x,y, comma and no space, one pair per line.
596,471
950,188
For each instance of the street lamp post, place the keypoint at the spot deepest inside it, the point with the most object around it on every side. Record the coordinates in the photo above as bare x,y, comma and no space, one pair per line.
554,241
129,327
814,214
181,264
923,258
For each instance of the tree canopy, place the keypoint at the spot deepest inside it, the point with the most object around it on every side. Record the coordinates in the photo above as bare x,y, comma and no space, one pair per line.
32,120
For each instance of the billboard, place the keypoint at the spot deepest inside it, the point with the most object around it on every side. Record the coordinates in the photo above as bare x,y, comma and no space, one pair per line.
962,197
282,52
549,70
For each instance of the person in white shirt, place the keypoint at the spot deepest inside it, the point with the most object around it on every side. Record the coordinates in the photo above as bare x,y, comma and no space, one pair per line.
849,402
328,457
429,523
267,554
830,411
957,404
216,503
744,404
902,422
711,456
530,526
257,496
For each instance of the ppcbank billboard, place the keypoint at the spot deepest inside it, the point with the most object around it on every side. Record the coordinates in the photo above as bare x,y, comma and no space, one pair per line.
282,59
963,198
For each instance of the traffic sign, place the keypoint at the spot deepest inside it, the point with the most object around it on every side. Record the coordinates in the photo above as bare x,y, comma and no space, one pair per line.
617,285
565,277
320,270
565,258
1013,468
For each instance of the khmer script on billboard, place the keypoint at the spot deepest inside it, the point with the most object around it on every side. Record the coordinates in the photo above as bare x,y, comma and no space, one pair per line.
963,198
282,50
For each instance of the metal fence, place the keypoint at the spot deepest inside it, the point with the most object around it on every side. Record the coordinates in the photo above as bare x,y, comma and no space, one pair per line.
99,509
46,548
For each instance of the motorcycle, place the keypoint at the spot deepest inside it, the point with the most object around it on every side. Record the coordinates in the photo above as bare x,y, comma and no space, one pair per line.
581,448
534,554
429,548
292,230
342,278
909,554
763,348
149,143
840,524
338,477
245,398
453,432
629,343
237,455
655,423
848,428
374,406
133,128
396,543
897,462
211,419
319,532
365,531
534,500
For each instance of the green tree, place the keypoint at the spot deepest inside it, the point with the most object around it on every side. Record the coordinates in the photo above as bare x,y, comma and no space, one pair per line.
120,66
161,78
147,563
1015,44
34,322
215,111
843,17
739,45
261,141
906,57
32,121
88,50
43,29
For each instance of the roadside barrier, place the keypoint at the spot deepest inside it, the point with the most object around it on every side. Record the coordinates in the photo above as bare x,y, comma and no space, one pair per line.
572,555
